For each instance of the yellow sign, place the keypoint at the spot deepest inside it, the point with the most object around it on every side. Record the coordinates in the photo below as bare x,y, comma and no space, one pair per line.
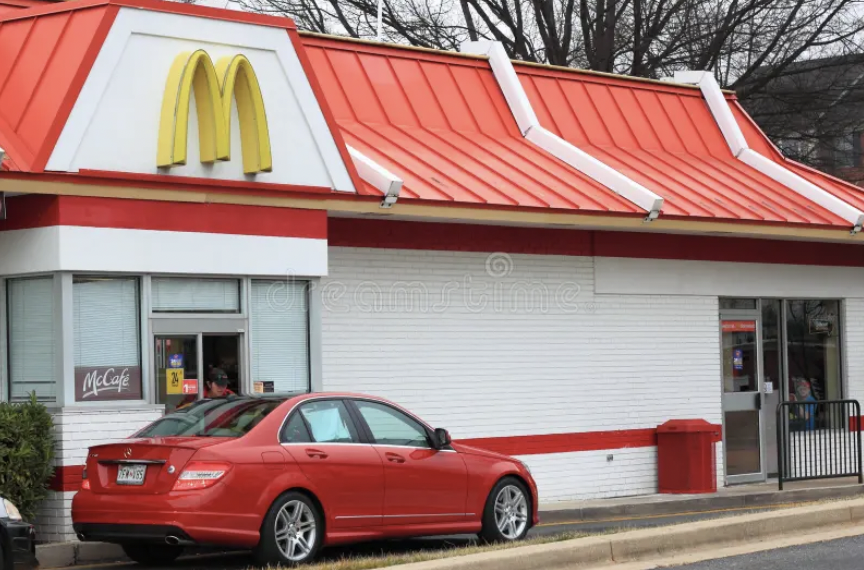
214,88
174,380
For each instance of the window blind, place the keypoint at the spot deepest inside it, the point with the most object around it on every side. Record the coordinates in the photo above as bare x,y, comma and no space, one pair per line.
32,339
279,327
106,325
175,295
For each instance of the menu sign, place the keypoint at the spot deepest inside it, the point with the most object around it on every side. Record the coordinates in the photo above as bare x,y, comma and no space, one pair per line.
106,383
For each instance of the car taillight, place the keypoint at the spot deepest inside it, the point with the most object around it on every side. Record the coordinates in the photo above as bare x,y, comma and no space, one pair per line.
200,475
85,482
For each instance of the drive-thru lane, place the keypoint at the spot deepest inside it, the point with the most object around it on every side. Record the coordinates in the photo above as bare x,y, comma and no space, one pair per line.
242,560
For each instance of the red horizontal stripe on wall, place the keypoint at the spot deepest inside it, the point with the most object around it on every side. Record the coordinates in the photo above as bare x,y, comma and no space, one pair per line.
66,478
41,211
566,442
457,237
387,234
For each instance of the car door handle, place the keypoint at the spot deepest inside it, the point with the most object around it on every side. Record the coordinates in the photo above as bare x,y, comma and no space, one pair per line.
316,453
394,458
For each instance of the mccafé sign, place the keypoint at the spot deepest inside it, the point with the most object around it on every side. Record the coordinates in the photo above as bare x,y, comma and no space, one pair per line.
101,383
214,87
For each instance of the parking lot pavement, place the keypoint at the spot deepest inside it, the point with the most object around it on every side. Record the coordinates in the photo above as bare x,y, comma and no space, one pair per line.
841,554
242,560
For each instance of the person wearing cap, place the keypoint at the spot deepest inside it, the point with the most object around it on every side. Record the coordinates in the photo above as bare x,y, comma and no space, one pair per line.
217,385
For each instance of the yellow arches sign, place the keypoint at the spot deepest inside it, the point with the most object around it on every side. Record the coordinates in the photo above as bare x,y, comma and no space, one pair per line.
214,88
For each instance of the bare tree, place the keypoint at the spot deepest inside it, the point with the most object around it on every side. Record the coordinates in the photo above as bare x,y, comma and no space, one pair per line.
755,47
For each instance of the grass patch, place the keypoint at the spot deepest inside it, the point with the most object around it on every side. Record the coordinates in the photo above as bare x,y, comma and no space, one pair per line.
386,559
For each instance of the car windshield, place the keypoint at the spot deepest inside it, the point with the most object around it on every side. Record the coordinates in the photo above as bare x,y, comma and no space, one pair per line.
231,417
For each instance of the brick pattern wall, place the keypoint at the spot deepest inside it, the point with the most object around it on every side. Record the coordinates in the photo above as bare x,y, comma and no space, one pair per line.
75,432
491,345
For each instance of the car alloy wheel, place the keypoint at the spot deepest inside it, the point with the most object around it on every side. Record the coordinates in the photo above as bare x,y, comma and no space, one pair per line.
295,531
511,512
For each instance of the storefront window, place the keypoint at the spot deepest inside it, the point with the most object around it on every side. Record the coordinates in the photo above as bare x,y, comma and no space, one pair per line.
279,327
32,338
772,349
813,347
176,295
106,329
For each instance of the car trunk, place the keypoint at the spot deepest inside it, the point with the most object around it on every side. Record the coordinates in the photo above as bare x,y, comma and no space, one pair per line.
142,466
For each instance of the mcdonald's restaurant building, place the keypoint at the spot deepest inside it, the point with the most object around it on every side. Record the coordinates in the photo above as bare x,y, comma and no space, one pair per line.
548,262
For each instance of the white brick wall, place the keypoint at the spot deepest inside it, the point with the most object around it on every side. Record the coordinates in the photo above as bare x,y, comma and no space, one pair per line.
75,432
455,337
78,430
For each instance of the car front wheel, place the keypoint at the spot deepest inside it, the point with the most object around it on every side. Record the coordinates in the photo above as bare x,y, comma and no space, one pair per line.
507,513
292,532
152,554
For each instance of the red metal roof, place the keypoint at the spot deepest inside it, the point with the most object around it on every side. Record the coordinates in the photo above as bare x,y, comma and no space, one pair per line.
440,122
758,141
44,60
664,137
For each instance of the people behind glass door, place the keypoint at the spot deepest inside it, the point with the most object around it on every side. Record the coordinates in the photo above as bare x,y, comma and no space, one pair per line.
806,415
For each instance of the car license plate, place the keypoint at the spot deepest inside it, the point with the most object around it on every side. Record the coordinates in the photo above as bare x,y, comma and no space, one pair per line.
131,474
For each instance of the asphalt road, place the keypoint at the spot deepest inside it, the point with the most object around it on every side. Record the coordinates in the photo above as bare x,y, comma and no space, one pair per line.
841,554
241,561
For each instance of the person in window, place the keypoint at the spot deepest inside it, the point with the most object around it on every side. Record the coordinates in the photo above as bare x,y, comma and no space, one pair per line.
217,385
214,387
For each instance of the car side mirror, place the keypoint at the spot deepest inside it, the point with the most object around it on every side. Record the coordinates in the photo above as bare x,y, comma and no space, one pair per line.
442,438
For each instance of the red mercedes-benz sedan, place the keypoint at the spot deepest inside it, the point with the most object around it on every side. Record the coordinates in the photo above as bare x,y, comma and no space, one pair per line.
287,476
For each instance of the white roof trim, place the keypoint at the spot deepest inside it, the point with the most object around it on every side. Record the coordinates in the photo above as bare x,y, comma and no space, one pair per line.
531,129
719,107
378,176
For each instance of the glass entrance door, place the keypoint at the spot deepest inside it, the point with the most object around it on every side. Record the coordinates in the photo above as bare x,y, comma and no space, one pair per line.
178,369
742,399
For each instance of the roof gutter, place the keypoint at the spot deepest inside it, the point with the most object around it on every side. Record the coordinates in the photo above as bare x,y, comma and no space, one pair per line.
529,125
377,176
719,107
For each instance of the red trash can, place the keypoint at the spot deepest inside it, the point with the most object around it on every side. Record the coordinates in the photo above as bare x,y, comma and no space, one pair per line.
687,457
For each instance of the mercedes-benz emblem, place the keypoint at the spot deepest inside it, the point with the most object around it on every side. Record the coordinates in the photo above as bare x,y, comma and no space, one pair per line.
128,452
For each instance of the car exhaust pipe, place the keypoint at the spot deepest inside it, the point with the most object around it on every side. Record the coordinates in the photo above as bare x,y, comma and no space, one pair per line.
81,536
172,540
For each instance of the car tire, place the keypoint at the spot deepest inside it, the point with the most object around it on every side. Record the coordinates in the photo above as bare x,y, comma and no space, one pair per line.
508,511
152,554
292,532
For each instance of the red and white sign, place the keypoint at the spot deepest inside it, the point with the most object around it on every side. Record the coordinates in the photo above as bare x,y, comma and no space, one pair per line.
738,326
190,386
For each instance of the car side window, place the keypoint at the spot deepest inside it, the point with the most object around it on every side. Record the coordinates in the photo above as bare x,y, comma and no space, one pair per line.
389,426
329,422
295,431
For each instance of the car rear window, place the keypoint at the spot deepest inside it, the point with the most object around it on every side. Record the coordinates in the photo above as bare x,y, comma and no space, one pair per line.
212,418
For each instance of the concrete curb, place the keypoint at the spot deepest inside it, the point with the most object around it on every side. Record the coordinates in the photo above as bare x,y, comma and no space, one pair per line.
701,504
60,555
657,542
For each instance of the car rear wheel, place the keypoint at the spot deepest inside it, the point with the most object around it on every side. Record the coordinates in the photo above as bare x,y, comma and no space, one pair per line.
152,554
292,532
507,513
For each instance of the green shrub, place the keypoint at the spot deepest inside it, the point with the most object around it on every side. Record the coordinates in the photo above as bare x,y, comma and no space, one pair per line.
26,451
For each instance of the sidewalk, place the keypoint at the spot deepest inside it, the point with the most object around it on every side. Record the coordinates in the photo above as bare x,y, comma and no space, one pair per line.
727,498
742,497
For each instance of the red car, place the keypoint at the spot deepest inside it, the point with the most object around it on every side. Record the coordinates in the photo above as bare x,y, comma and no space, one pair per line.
287,476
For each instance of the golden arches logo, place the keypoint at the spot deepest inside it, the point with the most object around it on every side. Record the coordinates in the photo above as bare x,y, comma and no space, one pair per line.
214,87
